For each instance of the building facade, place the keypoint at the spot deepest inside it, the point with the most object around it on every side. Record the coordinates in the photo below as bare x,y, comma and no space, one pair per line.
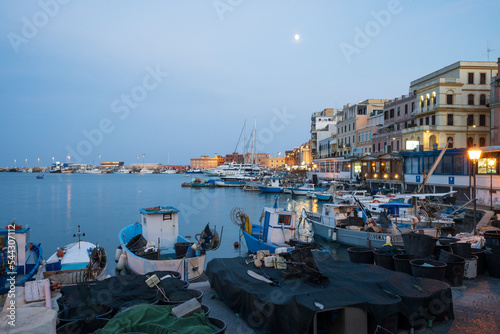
323,125
451,107
397,114
494,104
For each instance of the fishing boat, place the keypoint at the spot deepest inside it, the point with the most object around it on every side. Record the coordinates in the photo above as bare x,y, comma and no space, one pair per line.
154,244
348,224
276,229
230,183
76,262
20,258
39,176
194,171
271,186
145,170
304,189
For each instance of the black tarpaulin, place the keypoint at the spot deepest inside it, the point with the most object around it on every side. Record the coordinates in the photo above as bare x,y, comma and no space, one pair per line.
290,308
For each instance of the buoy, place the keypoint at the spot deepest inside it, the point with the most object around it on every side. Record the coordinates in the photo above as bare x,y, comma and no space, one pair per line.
119,251
121,262
60,252
236,244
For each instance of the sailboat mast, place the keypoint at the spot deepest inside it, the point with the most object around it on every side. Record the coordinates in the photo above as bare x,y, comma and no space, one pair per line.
253,142
245,143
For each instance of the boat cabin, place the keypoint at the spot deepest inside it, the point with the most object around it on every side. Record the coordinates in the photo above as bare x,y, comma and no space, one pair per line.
278,226
160,225
333,210
396,209
17,237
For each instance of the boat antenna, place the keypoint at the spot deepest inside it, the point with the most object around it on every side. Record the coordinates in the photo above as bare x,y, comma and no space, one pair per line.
79,234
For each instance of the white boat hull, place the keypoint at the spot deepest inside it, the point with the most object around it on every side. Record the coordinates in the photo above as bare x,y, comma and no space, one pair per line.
141,266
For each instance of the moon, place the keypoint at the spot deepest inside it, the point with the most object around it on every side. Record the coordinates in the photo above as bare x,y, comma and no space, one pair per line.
296,37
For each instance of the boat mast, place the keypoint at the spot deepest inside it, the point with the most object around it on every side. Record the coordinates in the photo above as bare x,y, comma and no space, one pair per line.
245,142
253,141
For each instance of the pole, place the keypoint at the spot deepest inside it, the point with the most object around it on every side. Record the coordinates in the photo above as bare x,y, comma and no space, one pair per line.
491,188
474,168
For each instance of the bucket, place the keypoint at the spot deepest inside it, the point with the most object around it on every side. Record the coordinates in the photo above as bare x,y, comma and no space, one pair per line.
438,248
402,262
384,260
492,239
428,269
82,326
455,266
470,270
421,245
493,262
221,325
360,255
181,249
462,249
481,260
181,296
445,241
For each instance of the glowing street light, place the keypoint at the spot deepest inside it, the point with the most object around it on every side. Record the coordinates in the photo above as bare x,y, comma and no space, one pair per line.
474,155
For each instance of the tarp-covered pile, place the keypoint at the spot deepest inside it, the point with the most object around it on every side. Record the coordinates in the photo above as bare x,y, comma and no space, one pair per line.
291,306
119,292
157,319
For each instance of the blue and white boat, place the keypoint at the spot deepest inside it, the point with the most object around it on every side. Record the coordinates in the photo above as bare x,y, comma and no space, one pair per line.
154,244
323,196
76,262
276,229
271,186
305,189
20,259
230,183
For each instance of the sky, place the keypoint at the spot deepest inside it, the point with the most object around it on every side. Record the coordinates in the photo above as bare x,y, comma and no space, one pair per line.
175,80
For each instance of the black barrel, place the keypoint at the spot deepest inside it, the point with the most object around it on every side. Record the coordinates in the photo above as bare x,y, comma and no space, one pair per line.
421,245
428,269
402,262
462,249
481,260
361,255
493,261
455,266
492,239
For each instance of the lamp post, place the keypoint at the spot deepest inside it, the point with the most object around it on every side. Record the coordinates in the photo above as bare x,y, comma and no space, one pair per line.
474,155
491,163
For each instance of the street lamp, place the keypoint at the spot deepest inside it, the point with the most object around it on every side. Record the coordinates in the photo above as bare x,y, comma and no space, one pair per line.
474,155
491,163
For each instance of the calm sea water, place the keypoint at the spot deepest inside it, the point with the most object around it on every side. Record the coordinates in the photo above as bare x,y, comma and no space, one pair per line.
102,204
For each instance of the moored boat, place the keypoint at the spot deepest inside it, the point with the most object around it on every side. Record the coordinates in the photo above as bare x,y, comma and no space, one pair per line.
277,229
76,262
271,186
347,224
154,244
20,258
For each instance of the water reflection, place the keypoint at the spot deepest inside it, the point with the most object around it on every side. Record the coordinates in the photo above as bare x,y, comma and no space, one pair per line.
68,207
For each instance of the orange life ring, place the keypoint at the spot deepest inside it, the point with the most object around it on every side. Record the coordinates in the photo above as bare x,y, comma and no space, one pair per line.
376,201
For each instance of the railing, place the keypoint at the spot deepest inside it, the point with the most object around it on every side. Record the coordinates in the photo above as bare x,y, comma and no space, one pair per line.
493,100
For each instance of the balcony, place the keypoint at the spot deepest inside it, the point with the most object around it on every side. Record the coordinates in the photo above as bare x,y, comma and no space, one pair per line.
493,101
